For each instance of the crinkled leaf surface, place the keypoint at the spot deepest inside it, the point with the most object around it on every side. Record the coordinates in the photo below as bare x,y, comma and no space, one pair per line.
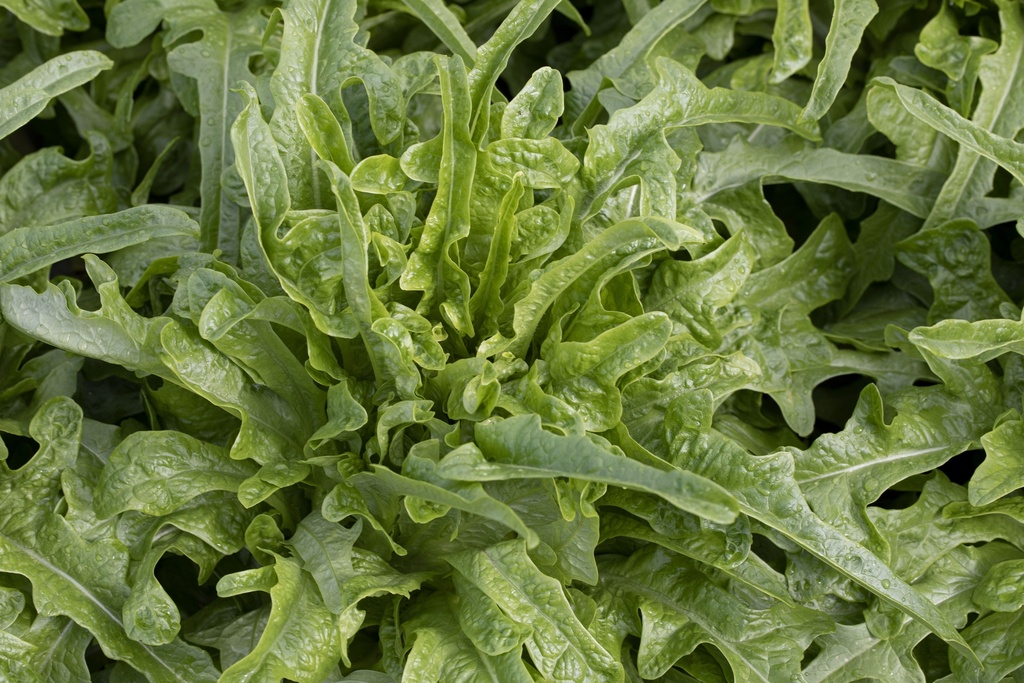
511,340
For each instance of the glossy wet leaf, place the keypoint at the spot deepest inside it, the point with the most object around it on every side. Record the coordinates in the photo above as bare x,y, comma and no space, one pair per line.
559,644
849,19
26,250
519,447
298,624
502,341
22,100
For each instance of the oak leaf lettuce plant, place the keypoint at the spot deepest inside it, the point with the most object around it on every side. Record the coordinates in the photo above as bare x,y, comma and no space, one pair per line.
404,340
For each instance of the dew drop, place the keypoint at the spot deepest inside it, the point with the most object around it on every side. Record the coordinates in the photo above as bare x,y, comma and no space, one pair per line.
886,583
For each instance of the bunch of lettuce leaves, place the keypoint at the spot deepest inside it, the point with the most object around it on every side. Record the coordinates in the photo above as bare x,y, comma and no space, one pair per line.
511,341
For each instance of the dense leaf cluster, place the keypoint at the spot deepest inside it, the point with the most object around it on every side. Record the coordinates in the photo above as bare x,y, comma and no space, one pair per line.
511,341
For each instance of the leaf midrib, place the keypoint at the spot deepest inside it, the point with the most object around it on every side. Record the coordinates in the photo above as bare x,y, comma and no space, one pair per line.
84,591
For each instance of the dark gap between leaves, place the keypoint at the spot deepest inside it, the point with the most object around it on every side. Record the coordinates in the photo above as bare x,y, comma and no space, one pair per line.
96,661
179,576
792,210
1001,183
1006,256
960,468
932,654
772,554
69,267
20,449
892,499
835,400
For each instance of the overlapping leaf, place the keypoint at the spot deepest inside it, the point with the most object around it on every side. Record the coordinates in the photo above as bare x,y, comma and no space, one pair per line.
414,340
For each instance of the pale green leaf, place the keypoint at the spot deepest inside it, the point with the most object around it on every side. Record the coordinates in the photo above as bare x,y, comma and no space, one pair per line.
22,100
